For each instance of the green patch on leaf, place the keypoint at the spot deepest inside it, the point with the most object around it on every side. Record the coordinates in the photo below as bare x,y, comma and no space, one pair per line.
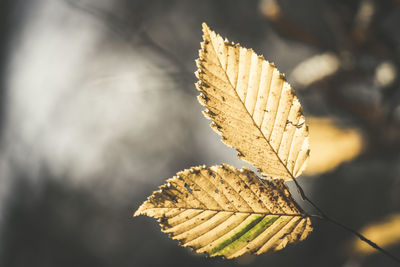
241,238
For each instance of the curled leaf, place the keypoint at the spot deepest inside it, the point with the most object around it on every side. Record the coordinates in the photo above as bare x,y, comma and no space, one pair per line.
222,211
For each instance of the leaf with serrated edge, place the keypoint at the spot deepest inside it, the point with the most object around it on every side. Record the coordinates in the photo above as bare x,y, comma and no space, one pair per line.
223,211
252,107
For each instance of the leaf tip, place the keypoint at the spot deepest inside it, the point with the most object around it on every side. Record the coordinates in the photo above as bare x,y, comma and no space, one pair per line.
205,27
138,212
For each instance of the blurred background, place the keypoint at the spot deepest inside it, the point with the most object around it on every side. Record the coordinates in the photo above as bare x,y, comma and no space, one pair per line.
98,107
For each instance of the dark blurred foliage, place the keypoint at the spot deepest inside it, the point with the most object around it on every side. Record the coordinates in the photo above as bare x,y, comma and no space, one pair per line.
82,146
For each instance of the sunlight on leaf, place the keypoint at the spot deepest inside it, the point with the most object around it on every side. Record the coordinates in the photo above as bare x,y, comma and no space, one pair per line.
222,211
252,107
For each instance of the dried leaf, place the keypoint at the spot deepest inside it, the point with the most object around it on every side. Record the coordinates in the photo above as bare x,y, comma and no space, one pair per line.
252,107
331,145
385,233
222,211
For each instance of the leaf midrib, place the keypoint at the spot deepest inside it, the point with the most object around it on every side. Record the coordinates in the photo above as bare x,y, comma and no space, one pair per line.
241,212
244,106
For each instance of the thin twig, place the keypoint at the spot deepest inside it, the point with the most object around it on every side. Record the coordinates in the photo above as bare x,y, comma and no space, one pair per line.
323,216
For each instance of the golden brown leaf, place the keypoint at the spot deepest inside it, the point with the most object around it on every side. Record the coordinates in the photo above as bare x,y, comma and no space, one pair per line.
385,233
252,107
222,211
